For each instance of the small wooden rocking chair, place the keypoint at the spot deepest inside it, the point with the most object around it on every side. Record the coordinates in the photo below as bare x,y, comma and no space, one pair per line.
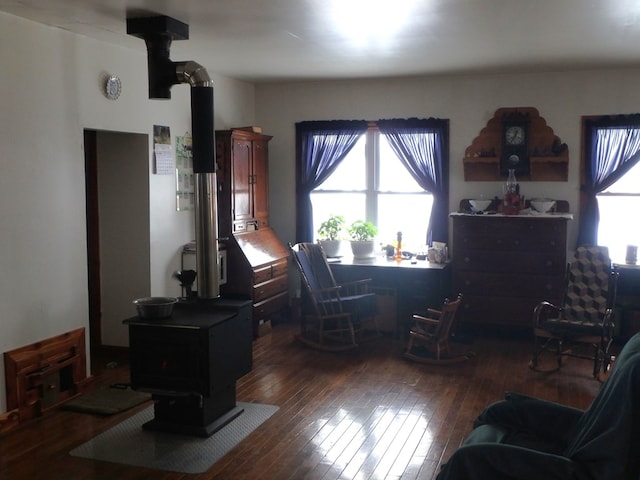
429,337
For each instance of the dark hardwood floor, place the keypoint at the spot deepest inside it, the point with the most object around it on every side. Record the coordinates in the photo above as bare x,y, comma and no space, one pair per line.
365,414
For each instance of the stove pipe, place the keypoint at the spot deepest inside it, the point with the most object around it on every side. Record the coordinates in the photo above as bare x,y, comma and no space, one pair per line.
158,33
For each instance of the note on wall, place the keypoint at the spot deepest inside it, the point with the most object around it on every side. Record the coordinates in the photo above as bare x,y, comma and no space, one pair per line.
162,151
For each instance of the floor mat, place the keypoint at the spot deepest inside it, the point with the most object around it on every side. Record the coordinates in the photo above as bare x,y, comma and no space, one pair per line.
127,443
107,401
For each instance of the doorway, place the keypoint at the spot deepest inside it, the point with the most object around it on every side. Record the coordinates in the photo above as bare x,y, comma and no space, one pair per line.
118,232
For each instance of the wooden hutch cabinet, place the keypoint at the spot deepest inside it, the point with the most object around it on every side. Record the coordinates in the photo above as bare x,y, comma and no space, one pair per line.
243,180
505,265
257,261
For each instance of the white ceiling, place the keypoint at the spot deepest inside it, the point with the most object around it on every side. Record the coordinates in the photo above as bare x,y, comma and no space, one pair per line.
272,40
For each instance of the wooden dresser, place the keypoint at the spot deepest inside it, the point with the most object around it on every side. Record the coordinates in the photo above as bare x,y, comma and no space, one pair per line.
505,265
257,261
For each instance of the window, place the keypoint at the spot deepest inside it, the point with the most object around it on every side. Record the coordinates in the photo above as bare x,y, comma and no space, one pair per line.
610,183
385,172
617,205
371,183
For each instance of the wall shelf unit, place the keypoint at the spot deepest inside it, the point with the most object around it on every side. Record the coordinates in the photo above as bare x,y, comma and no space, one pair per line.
548,157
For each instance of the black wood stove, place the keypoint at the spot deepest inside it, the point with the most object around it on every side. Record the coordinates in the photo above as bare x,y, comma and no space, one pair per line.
190,363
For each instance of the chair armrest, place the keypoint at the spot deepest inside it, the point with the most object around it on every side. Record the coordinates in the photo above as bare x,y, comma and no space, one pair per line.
528,402
332,292
545,419
543,310
427,320
327,299
335,316
500,461
356,286
608,324
424,325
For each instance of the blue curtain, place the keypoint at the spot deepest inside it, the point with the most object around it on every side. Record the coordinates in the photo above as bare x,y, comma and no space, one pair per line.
320,147
612,148
422,147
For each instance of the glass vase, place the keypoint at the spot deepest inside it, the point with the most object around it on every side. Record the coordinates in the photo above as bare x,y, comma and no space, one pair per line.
511,202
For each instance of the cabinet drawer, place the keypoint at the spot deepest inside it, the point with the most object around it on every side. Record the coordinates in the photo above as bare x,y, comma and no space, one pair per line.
547,263
270,288
239,227
261,275
276,269
540,287
280,268
270,306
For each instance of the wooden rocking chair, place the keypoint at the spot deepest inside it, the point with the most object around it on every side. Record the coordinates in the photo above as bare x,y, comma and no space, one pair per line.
429,337
583,325
334,317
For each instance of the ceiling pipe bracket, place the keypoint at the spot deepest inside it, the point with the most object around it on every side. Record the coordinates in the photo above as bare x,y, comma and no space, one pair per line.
158,33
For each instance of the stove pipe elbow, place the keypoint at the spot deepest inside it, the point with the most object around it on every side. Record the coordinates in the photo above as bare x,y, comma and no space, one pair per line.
193,73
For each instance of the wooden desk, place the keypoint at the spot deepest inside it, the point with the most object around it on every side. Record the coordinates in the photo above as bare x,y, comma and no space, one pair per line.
413,287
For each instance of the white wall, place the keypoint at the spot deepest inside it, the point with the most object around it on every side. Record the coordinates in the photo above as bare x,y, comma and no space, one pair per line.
52,83
469,102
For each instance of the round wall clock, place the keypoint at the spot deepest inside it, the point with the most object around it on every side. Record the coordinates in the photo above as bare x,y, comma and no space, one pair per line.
113,87
514,144
514,135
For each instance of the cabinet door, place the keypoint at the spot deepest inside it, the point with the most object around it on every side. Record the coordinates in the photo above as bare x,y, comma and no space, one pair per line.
261,182
242,196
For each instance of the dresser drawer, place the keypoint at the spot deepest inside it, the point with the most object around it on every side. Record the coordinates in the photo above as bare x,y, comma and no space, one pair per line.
512,234
270,288
548,263
280,268
514,242
539,287
273,270
270,306
263,274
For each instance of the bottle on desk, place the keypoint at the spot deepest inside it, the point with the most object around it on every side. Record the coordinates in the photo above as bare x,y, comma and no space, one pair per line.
398,256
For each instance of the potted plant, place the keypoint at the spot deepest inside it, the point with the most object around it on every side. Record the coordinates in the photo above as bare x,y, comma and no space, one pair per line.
362,239
330,233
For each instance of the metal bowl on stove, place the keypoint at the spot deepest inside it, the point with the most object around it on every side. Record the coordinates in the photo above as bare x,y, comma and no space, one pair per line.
155,307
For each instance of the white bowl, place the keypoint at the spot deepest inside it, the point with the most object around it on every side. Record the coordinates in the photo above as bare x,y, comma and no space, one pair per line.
542,205
479,205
